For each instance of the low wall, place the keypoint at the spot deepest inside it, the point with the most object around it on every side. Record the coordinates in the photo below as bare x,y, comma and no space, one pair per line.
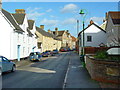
106,72
93,50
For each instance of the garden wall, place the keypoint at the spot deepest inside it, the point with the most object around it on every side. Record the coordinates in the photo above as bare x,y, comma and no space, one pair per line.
106,72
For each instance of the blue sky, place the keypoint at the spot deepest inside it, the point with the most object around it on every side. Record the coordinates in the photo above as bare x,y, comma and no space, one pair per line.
63,15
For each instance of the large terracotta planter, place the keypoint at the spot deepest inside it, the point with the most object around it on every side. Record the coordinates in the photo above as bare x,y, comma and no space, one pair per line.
105,71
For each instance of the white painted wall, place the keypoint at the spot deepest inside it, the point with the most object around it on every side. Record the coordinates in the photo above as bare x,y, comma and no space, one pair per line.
98,36
5,32
112,33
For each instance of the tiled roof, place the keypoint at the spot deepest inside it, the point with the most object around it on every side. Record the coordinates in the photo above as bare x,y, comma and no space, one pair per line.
19,17
73,38
30,24
89,26
43,32
11,19
115,16
60,33
29,33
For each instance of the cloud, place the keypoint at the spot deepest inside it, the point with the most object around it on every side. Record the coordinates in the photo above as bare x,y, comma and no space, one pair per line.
49,10
49,22
97,20
69,8
33,13
69,21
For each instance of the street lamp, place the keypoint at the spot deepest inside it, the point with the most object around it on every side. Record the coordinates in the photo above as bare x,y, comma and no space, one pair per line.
82,13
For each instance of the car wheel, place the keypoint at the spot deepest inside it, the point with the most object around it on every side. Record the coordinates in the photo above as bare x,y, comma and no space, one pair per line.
13,68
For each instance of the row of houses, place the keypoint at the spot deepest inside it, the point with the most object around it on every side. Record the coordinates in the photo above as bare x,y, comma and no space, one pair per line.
107,34
20,36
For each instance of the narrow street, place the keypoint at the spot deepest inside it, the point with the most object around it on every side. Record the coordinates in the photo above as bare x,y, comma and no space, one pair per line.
61,71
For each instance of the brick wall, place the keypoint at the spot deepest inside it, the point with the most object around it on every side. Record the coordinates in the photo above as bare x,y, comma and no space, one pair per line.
106,72
93,50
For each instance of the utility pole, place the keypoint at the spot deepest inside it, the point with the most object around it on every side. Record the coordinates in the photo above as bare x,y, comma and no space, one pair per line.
77,27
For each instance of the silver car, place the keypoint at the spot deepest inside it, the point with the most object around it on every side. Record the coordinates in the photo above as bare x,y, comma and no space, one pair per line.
6,65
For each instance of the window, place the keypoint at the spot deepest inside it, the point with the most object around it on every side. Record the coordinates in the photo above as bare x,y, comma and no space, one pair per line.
89,38
39,45
5,59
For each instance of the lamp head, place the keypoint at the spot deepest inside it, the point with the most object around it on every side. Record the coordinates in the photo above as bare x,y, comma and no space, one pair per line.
81,12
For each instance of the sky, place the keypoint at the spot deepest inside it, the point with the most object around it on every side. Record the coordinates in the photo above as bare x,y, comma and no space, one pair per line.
63,15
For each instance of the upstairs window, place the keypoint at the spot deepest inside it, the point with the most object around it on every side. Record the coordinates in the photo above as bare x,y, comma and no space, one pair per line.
89,38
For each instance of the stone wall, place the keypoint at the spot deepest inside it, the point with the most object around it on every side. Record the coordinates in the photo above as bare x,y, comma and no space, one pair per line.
106,72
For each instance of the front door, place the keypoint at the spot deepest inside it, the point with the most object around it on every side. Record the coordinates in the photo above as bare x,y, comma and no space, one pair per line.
18,52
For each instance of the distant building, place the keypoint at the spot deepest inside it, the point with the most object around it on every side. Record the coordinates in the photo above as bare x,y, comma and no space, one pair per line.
46,40
74,40
65,36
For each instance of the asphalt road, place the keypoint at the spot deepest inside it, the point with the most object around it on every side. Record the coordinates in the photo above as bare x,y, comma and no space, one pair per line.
61,71
49,73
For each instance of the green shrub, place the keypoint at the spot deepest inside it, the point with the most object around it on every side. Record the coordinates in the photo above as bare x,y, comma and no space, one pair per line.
101,55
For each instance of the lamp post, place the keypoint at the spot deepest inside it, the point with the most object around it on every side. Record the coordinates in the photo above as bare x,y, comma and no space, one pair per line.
82,13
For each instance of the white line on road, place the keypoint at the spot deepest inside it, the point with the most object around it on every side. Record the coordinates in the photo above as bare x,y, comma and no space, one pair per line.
66,76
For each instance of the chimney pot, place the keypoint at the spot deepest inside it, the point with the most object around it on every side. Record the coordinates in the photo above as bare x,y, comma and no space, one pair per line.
20,11
91,22
56,31
49,30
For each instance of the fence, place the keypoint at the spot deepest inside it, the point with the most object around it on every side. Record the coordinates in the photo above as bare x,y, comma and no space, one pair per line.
93,50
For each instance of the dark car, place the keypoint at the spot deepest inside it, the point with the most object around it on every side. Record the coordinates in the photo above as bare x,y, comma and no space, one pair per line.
35,56
46,54
6,65
55,51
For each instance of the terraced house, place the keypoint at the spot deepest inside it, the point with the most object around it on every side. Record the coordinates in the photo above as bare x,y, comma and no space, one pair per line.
47,41
113,28
18,33
65,36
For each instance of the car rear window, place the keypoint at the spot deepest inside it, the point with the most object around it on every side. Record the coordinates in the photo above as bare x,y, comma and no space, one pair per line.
31,53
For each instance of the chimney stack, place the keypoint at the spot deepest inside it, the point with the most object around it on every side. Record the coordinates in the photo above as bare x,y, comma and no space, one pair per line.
106,16
0,5
20,11
42,27
91,22
56,31
49,30
67,31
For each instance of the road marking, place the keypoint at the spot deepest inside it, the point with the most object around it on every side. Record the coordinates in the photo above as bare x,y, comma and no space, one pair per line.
66,76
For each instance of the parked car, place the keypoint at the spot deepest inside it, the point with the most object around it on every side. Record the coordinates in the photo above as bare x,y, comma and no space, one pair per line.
63,50
55,51
35,56
46,54
6,65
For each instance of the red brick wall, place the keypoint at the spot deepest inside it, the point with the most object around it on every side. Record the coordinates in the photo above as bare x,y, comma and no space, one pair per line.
100,70
93,50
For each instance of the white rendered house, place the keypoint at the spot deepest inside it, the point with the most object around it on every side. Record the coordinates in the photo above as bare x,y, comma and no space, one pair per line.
10,36
94,36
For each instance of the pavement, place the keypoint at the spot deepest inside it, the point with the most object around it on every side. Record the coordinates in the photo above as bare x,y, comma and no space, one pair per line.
78,76
27,62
